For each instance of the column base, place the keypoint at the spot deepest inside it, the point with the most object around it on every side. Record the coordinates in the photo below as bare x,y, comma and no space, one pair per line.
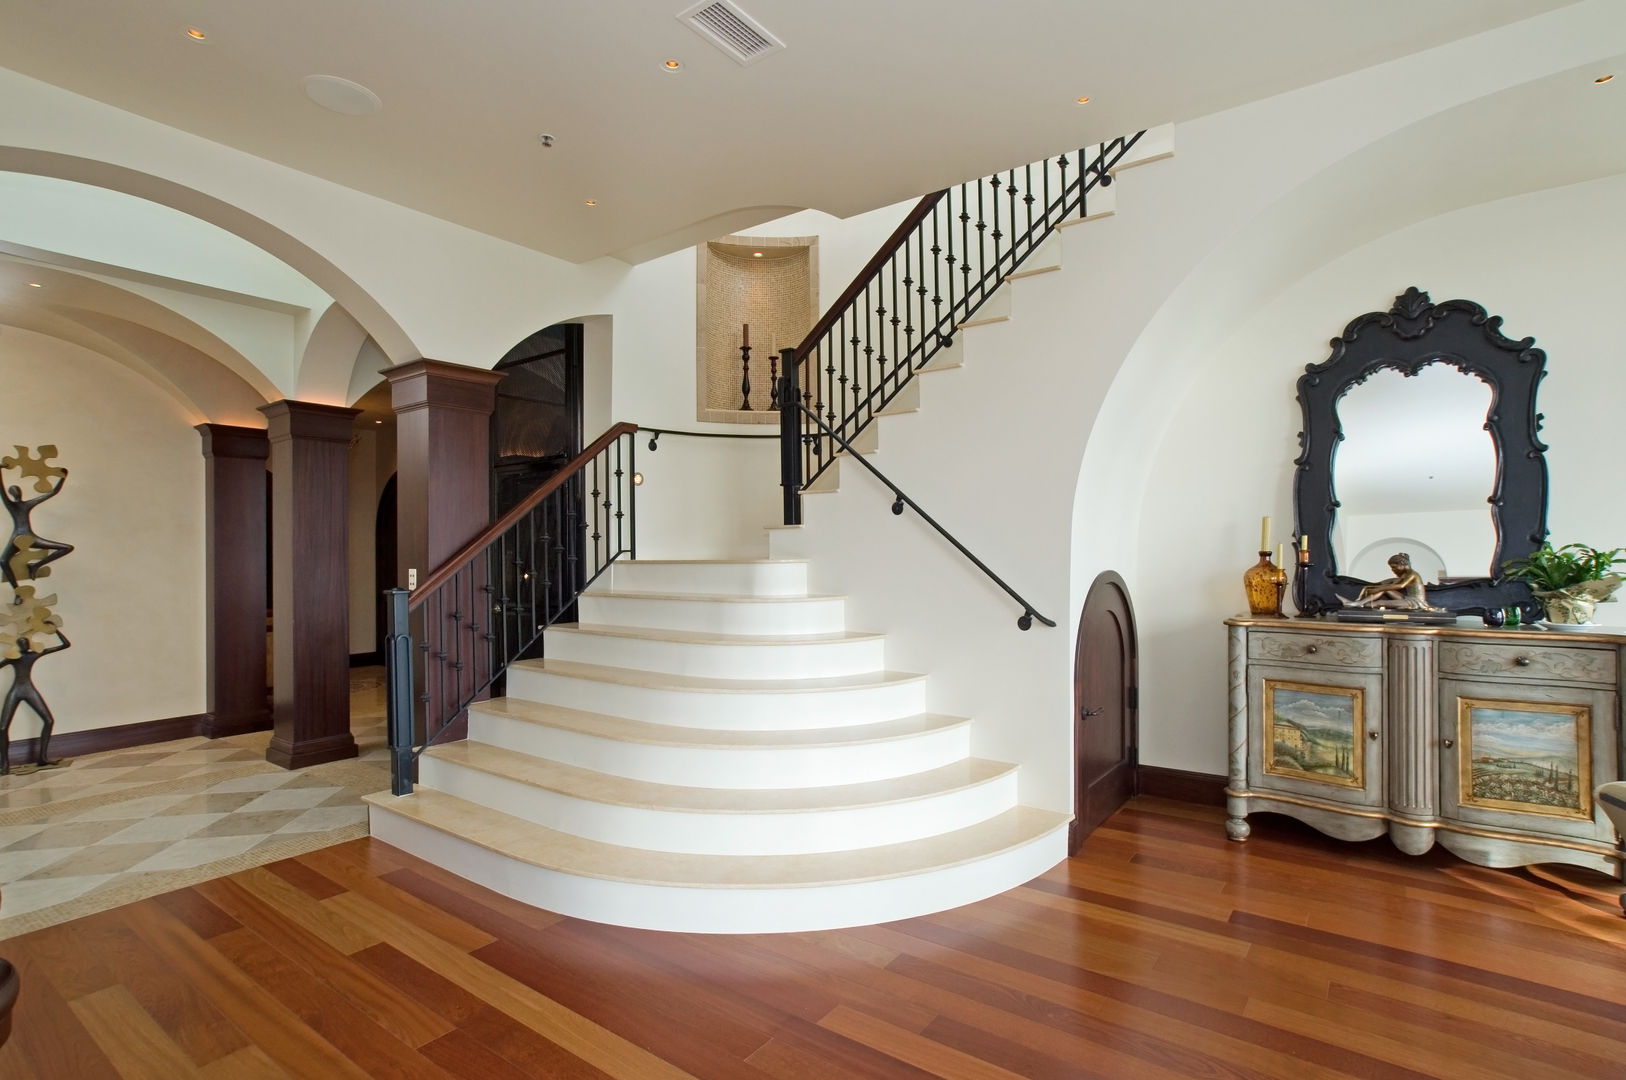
311,751
219,726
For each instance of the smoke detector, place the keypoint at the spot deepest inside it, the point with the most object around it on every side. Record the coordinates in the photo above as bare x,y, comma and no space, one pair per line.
733,31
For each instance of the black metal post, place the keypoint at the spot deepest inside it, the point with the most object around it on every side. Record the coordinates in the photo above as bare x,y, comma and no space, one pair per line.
790,438
398,688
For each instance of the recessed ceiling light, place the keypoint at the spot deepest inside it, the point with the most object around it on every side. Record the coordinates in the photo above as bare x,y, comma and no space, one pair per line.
674,65
378,421
592,202
195,34
756,254
341,95
1603,78
545,140
35,285
1083,101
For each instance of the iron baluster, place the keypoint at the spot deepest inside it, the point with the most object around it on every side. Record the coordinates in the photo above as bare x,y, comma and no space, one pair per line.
937,275
398,688
620,498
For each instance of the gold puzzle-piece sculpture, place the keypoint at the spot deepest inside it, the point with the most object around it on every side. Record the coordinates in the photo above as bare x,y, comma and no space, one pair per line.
26,462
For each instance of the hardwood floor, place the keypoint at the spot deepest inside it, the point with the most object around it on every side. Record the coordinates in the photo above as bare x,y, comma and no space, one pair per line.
1161,950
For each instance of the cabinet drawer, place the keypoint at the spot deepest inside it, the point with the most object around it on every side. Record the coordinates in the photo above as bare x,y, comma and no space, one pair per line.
1538,663
1339,650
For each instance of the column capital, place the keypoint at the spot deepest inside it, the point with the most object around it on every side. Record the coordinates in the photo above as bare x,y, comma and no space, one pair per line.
288,419
228,441
423,384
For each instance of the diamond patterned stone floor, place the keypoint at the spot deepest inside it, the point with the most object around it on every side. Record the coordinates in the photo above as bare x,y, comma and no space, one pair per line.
108,829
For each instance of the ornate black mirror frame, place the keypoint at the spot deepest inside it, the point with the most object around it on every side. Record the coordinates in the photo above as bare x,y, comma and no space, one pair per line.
1418,332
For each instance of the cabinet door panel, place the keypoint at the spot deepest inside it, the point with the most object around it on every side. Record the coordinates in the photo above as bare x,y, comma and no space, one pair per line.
1310,733
1526,757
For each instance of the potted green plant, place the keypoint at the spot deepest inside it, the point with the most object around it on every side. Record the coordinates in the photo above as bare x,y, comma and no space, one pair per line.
1569,581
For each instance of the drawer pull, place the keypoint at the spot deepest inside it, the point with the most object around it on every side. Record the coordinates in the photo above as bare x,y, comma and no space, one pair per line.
1521,661
1448,743
1372,735
1312,649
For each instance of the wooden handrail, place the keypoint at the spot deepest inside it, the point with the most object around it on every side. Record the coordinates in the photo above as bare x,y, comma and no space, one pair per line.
836,310
450,567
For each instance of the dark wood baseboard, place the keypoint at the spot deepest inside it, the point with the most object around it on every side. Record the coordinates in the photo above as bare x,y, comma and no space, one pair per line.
1206,789
367,659
73,744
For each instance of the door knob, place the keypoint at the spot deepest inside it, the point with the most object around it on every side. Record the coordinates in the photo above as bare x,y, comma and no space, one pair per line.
1448,743
1087,713
1372,735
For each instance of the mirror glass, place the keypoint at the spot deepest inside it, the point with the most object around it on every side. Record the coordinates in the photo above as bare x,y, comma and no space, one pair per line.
1415,472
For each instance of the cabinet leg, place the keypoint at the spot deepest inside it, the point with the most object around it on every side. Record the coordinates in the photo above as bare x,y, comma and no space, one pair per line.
1237,829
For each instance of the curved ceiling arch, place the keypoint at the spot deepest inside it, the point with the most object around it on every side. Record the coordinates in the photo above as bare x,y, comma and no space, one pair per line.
380,325
211,380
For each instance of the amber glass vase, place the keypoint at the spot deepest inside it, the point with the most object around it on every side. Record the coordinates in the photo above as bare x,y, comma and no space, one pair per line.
1264,583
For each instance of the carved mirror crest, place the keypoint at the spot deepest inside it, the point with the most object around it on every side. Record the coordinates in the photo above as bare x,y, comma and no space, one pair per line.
1415,334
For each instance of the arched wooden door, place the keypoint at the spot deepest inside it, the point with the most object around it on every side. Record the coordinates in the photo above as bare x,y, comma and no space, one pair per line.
1106,701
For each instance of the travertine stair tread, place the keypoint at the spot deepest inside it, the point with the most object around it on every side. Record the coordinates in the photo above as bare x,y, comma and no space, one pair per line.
707,637
639,731
615,790
655,680
717,598
548,849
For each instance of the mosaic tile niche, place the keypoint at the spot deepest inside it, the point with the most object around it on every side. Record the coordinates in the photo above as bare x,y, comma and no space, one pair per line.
776,293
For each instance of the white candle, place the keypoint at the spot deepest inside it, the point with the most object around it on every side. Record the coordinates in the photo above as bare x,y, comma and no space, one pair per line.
1281,555
1264,533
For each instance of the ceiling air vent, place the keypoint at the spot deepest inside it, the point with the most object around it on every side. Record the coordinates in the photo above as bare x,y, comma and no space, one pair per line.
731,30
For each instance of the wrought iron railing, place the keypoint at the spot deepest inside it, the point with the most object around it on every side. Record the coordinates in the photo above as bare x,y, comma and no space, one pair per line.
943,262
900,500
486,606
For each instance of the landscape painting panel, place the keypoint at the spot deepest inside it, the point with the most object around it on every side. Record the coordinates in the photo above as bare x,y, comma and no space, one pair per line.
1314,733
1524,757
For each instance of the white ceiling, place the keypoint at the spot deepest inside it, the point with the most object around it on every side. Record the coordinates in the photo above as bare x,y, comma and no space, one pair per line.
871,102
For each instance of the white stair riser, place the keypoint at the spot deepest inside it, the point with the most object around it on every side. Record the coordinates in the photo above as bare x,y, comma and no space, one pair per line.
766,710
813,660
821,616
716,833
726,910
746,767
715,579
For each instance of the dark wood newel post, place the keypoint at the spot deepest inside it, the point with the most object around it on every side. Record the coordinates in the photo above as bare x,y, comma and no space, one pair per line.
443,473
234,576
310,463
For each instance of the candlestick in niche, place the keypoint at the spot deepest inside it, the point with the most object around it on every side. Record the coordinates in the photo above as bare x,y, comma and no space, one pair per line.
745,367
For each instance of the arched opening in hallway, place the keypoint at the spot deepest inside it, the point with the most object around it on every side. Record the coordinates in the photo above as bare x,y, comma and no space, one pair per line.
131,338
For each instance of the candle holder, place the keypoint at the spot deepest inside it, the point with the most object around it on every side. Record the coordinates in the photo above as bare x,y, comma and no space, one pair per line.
1301,574
1265,582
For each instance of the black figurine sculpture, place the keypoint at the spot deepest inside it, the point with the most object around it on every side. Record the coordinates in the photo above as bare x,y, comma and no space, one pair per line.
23,692
27,623
27,554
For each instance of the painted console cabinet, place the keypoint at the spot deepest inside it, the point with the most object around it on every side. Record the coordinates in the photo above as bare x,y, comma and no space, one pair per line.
1487,741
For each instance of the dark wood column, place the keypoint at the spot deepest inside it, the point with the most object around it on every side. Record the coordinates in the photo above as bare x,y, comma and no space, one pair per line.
310,461
234,573
443,459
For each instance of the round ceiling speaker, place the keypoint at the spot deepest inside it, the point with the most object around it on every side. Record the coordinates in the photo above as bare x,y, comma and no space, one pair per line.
341,95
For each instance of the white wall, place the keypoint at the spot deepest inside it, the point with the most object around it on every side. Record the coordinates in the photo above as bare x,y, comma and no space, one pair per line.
131,593
1547,262
1037,454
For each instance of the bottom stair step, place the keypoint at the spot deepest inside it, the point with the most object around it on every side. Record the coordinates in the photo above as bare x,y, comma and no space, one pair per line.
659,890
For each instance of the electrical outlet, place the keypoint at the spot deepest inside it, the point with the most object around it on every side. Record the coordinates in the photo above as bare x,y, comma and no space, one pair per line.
412,579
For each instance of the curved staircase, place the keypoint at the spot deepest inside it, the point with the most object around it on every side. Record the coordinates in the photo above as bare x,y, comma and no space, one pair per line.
712,750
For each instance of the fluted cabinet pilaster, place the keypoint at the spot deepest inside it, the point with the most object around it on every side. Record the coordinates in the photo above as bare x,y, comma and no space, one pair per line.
1489,742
